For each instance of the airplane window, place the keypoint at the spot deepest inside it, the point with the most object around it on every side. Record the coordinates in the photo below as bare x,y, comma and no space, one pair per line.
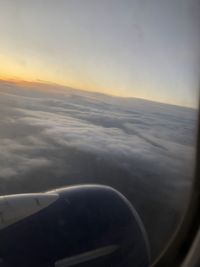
101,93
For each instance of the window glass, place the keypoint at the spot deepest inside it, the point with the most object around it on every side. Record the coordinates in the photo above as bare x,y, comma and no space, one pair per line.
102,92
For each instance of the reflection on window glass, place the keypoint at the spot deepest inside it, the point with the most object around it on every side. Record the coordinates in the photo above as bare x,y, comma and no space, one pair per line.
101,92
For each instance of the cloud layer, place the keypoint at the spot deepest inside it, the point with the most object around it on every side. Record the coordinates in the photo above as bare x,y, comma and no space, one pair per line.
52,137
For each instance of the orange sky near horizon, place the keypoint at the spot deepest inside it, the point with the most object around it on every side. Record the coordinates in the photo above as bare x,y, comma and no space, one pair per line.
134,51
52,86
17,73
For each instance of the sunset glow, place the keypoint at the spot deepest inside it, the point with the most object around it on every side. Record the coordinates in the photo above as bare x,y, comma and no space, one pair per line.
127,54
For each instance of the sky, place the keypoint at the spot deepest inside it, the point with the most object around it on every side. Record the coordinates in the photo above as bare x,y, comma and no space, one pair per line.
131,48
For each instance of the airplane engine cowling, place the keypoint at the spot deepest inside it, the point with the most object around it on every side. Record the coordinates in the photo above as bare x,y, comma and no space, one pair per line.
84,226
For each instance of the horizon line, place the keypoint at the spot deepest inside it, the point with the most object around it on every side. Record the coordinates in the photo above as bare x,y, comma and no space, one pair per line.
16,80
